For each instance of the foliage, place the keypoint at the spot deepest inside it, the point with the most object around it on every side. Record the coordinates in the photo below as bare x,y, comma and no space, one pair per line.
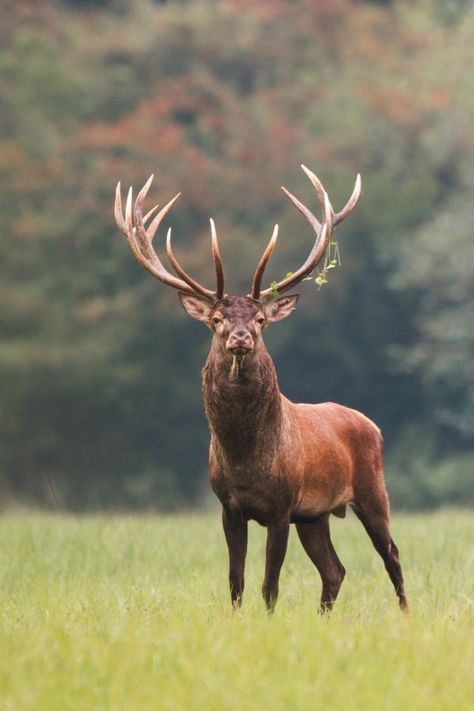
419,477
98,368
133,612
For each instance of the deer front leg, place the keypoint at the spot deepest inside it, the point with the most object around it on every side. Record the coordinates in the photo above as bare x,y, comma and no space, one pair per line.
235,530
277,541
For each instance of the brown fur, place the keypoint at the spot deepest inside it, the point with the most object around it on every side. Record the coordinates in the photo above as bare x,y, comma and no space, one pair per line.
278,462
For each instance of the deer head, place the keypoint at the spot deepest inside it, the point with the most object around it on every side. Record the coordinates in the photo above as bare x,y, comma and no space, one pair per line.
236,321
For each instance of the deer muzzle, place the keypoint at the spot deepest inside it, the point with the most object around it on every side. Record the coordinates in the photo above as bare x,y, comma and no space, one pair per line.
240,343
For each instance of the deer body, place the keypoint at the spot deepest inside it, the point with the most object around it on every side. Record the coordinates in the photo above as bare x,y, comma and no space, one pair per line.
272,460
270,457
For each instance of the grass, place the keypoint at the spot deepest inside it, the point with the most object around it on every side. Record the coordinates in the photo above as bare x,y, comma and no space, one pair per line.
121,612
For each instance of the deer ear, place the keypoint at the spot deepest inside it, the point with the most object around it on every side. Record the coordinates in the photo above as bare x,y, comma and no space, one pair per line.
280,308
196,307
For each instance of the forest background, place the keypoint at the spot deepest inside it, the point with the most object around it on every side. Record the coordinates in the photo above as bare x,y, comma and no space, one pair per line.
99,367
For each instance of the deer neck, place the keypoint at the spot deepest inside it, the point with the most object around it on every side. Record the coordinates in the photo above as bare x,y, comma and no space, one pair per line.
242,402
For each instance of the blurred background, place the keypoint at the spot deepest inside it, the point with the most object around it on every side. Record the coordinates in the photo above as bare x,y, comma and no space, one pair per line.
99,366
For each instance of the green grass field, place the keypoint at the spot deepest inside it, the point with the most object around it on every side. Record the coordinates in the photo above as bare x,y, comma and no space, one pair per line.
132,612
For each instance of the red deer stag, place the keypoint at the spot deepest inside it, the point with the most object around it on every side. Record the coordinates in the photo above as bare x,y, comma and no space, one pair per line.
272,460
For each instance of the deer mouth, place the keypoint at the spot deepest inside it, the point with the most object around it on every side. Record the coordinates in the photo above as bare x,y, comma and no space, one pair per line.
239,351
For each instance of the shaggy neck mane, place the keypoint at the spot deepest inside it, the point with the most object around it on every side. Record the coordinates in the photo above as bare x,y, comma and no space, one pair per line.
242,402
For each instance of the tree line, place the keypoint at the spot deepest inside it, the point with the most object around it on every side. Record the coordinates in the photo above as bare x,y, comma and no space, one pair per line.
99,368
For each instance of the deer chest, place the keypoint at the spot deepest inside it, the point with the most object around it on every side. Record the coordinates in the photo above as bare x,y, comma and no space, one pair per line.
257,497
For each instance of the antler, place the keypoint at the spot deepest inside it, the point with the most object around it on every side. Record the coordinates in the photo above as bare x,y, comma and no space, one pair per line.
140,239
322,231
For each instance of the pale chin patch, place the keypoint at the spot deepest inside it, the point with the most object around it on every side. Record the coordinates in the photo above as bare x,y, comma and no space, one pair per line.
236,367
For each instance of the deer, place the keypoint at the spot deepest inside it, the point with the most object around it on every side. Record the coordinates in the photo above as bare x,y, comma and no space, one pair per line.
271,460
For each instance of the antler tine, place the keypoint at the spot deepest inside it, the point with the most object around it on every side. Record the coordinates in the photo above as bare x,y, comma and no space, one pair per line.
257,280
218,264
128,209
315,224
323,233
316,183
118,212
342,214
149,214
119,218
156,222
329,212
138,220
145,237
123,222
196,286
140,240
351,203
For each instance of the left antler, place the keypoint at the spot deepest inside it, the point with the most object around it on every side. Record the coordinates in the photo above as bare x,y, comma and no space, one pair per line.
140,239
323,232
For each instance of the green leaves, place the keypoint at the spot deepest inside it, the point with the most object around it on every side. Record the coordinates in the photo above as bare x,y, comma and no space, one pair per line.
274,291
332,259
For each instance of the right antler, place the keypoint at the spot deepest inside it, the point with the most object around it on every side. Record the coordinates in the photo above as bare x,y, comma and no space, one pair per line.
140,239
322,231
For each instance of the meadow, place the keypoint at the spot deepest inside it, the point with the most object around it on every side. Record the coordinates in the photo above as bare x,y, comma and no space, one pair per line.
115,612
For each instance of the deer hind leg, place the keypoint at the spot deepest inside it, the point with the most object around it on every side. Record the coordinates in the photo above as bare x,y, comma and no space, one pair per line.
235,530
316,541
373,512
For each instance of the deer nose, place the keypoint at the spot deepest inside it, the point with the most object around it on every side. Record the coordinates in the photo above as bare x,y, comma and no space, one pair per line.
239,342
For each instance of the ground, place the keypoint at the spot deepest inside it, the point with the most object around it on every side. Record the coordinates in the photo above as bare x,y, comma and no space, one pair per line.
132,612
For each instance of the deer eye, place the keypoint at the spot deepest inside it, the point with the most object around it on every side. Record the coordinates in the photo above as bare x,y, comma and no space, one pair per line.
260,320
216,320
